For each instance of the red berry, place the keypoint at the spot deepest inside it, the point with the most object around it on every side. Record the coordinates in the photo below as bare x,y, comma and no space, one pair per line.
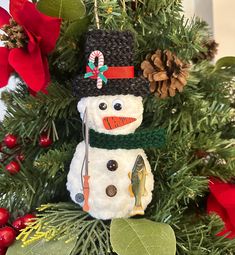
201,154
10,141
22,222
45,141
20,157
13,167
28,218
7,236
18,224
4,216
3,251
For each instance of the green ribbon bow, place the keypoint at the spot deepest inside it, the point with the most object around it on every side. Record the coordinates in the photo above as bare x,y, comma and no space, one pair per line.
100,74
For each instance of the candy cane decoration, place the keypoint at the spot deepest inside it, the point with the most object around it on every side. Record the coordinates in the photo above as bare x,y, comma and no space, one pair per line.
96,71
97,54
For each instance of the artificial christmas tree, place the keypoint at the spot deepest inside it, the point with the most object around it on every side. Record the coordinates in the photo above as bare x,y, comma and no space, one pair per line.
196,110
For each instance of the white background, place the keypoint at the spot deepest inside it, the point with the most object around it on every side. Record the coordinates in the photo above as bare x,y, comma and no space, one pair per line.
4,4
218,13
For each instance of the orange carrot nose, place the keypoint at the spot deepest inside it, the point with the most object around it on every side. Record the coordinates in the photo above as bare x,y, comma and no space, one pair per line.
115,122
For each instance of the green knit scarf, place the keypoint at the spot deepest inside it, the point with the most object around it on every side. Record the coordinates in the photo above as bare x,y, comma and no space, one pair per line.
142,139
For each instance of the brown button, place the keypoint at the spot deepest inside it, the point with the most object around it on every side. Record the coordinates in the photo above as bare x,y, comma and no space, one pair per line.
111,191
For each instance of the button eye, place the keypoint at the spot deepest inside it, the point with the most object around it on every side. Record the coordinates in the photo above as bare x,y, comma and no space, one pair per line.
103,106
117,105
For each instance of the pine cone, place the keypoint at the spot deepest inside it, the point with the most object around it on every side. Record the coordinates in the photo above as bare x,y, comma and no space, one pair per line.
211,49
167,74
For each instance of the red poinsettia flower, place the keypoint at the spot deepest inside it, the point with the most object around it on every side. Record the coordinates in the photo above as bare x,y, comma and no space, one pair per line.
29,60
222,202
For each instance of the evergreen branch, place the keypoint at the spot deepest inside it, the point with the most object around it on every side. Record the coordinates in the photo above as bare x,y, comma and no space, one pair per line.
66,221
42,113
61,159
199,233
23,192
170,30
178,171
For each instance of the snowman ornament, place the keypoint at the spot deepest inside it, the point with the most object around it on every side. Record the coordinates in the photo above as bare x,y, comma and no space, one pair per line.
110,176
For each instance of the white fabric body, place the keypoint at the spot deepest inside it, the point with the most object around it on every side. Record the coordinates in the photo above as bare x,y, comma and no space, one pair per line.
101,205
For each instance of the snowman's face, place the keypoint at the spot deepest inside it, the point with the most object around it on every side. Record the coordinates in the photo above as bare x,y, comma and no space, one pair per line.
112,114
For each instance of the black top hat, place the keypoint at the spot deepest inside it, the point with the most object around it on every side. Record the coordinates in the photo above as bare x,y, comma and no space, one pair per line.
116,74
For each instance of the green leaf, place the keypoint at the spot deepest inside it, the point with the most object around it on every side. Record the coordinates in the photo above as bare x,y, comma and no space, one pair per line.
225,63
42,247
147,237
65,9
77,28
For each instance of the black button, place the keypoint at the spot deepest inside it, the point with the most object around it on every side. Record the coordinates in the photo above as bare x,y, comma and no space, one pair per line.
79,198
103,106
111,191
118,107
112,165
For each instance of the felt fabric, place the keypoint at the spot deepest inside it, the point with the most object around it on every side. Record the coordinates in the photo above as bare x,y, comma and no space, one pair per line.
222,202
5,68
35,23
143,139
117,72
4,17
16,7
30,62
